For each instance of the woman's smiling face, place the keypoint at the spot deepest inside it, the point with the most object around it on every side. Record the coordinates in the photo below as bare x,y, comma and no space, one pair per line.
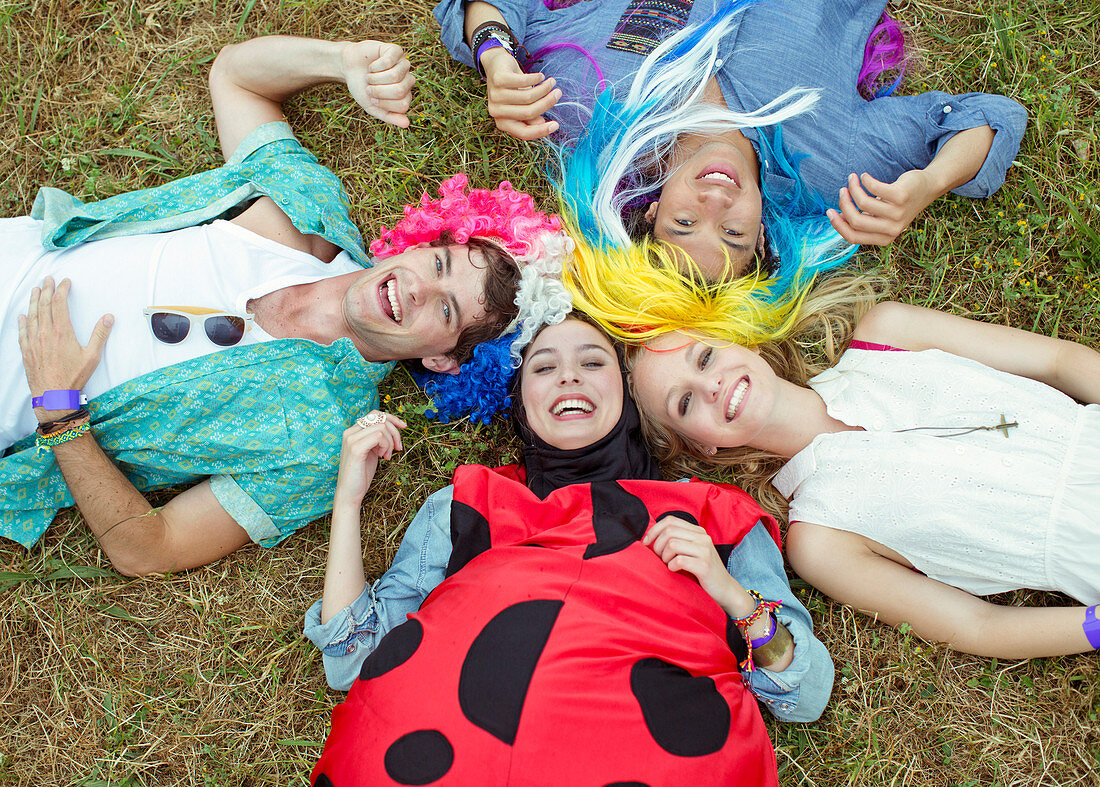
571,386
718,397
711,208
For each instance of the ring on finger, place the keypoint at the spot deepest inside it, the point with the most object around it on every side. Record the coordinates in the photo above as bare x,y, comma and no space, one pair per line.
373,418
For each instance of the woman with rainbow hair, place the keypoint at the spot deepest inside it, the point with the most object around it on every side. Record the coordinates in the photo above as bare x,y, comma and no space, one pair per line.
677,146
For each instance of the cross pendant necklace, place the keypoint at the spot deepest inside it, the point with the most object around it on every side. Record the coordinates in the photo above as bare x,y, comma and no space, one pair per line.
959,431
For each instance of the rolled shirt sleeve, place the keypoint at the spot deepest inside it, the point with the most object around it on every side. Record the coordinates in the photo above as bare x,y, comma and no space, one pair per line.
911,130
800,692
352,634
451,15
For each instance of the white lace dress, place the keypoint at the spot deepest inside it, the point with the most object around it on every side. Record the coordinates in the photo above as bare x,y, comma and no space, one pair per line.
979,511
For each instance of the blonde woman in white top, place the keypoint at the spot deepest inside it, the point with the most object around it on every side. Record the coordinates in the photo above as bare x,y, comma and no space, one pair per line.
940,459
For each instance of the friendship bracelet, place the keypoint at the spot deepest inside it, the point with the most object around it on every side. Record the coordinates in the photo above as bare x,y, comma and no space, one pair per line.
1091,627
48,427
65,426
62,436
760,609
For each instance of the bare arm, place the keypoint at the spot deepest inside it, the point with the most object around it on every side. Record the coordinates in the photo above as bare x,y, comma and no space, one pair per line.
1068,366
360,451
854,571
250,81
517,101
191,530
875,213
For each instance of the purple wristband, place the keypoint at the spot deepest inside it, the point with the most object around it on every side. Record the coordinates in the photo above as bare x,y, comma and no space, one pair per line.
1091,627
59,399
490,43
764,640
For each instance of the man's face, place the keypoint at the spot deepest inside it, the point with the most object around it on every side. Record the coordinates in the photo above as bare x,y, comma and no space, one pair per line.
415,304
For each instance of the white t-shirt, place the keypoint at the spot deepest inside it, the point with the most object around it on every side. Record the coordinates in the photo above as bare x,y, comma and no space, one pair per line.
217,266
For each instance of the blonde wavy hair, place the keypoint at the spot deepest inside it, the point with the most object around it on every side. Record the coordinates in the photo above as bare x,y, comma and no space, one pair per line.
818,334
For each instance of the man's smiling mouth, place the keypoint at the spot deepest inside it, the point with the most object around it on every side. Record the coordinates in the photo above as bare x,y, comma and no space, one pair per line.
387,297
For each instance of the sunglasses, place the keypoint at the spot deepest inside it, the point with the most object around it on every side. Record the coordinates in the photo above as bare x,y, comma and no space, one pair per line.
171,324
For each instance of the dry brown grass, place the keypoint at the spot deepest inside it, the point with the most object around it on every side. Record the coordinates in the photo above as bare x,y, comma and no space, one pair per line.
204,678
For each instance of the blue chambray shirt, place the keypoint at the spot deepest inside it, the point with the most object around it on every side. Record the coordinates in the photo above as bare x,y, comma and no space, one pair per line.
776,45
263,420
798,693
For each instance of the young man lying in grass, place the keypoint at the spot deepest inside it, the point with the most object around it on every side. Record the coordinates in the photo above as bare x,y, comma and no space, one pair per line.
233,353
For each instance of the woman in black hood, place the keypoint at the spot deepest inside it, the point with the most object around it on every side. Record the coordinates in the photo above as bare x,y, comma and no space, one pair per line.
627,617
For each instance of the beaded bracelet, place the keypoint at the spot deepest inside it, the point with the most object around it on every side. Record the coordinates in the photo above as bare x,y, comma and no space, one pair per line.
70,432
485,32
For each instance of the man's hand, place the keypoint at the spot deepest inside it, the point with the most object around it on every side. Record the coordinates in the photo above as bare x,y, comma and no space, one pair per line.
53,358
378,77
874,213
518,101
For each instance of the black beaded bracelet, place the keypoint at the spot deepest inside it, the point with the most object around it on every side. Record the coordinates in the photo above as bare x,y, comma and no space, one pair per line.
486,30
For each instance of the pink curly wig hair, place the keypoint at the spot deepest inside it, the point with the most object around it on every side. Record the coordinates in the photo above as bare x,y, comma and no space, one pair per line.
503,215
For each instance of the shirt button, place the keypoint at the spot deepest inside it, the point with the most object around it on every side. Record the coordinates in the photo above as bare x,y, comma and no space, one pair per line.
960,450
947,109
351,647
718,63
1007,460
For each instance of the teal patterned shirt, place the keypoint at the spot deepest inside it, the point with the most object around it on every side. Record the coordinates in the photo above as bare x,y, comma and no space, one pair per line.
264,421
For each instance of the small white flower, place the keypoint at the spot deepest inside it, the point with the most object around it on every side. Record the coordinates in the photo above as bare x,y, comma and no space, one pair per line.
66,164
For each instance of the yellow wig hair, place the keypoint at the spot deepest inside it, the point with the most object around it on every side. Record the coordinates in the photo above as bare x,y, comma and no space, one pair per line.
641,291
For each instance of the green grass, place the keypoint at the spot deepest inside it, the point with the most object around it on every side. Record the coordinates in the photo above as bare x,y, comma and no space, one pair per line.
203,678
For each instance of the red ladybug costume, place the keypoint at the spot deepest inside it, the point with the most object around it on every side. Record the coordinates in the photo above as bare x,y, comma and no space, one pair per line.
560,651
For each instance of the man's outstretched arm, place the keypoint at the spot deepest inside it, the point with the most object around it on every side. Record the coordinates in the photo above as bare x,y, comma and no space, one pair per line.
250,81
191,530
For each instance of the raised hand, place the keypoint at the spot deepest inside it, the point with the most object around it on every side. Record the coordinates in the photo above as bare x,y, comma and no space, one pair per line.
53,358
374,436
378,77
518,101
875,213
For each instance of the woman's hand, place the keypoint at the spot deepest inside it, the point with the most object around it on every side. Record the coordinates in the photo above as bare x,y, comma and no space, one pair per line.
378,77
874,213
374,436
688,548
53,358
518,101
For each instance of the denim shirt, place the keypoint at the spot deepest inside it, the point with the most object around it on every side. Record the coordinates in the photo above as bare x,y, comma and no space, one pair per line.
776,45
798,693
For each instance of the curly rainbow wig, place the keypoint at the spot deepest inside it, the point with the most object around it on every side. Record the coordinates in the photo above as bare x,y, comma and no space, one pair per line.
535,241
